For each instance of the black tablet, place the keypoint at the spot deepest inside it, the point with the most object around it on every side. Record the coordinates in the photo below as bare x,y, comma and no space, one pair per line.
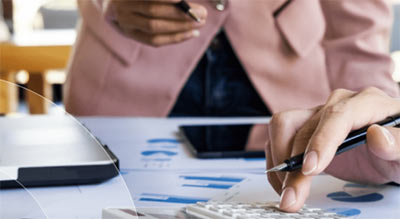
220,141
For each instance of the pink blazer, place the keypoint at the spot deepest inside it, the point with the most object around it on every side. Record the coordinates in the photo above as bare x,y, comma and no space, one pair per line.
294,60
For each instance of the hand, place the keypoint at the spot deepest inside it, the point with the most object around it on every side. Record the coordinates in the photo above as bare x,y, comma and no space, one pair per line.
157,22
318,132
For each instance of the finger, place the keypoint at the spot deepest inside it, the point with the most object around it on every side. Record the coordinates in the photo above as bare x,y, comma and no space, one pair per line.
275,182
304,134
296,189
383,142
296,184
283,127
272,176
339,119
161,10
163,39
156,26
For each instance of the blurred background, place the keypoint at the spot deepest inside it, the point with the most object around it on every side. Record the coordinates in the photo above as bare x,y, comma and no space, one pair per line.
45,30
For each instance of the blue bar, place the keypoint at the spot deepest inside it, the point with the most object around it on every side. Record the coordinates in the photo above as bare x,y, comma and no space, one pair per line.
163,140
211,186
254,159
208,178
172,199
153,152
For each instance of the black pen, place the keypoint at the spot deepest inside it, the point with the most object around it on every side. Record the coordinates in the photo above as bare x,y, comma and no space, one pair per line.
354,139
184,6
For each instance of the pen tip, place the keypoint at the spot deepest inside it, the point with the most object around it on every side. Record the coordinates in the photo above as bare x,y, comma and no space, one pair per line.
277,168
194,16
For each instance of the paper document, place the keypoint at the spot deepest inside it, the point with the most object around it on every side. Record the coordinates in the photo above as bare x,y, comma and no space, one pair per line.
327,192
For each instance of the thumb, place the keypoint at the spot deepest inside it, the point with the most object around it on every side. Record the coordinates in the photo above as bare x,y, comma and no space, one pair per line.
384,142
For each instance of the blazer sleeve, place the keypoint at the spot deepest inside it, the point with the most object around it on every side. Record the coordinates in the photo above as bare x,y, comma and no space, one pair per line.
356,44
97,18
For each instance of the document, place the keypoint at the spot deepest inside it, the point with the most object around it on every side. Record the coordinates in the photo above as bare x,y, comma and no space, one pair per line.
83,201
328,193
177,188
158,171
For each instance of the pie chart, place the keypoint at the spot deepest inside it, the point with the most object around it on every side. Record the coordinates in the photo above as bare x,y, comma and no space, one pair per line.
357,193
347,212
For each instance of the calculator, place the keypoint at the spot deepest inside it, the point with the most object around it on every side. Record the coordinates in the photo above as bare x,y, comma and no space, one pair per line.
220,210
223,210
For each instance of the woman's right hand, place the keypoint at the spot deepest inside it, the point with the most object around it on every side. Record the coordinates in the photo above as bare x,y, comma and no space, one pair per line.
318,133
157,22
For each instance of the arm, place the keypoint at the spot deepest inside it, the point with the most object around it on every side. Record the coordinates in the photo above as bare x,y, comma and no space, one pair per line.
356,44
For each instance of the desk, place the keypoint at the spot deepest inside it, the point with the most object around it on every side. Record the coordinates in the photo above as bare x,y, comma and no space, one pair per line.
160,180
36,53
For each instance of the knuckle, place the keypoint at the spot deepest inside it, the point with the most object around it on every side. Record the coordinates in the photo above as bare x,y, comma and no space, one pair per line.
372,91
339,95
340,92
280,120
152,25
339,108
317,140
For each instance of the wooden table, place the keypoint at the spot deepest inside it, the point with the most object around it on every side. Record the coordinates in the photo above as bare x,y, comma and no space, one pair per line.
36,53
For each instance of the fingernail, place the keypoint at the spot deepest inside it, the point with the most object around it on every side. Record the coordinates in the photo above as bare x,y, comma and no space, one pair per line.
288,198
199,12
199,24
195,33
310,163
389,137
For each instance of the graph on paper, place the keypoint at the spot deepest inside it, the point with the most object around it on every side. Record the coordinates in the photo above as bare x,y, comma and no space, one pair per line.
176,189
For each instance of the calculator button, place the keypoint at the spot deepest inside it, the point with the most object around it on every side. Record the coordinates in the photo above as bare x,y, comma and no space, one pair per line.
238,210
328,214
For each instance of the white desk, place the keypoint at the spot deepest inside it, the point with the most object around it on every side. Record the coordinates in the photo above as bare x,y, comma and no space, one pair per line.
174,178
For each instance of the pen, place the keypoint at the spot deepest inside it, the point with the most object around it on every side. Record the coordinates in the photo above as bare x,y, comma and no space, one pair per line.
184,6
354,139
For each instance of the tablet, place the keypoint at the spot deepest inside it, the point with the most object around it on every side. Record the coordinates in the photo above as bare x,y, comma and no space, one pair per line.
220,141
